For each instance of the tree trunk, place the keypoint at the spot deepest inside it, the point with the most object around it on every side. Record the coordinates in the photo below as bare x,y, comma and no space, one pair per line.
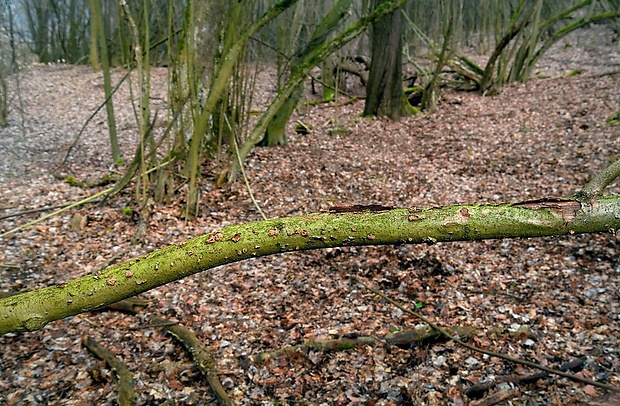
384,93
94,53
4,102
276,131
297,77
221,79
96,15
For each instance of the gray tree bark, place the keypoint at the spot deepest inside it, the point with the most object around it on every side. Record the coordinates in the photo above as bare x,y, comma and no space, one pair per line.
384,92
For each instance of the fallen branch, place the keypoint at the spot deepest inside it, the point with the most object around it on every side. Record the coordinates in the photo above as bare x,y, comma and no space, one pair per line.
482,351
170,368
411,338
89,183
478,390
327,346
610,73
201,356
32,211
130,306
497,397
57,212
126,393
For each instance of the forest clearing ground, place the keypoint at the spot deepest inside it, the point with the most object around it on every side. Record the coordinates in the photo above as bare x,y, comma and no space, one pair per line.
543,138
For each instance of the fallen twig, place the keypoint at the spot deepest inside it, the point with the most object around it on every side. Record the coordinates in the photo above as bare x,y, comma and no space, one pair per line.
126,393
131,306
200,355
482,351
404,339
497,397
478,390
57,212
31,211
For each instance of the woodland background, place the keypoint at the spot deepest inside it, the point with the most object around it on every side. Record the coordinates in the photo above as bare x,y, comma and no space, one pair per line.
530,127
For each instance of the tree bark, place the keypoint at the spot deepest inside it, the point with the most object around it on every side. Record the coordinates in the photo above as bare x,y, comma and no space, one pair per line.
384,93
276,130
33,310
96,13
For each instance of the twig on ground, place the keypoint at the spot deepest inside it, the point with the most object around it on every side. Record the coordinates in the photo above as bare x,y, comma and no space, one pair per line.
126,393
482,351
152,324
200,355
610,73
403,339
31,211
497,397
130,306
57,212
479,389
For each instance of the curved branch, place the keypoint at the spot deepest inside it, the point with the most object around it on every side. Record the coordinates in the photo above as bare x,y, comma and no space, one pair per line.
368,226
597,185
126,392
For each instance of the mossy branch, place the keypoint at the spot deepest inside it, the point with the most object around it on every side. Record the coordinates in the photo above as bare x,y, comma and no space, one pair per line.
420,336
597,185
371,226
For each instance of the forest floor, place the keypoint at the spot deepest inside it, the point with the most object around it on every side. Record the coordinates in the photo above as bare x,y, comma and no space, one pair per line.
553,301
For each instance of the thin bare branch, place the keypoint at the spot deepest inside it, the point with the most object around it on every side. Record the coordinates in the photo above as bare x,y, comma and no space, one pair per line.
480,350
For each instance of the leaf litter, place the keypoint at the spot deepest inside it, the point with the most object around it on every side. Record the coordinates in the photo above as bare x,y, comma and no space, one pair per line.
549,300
